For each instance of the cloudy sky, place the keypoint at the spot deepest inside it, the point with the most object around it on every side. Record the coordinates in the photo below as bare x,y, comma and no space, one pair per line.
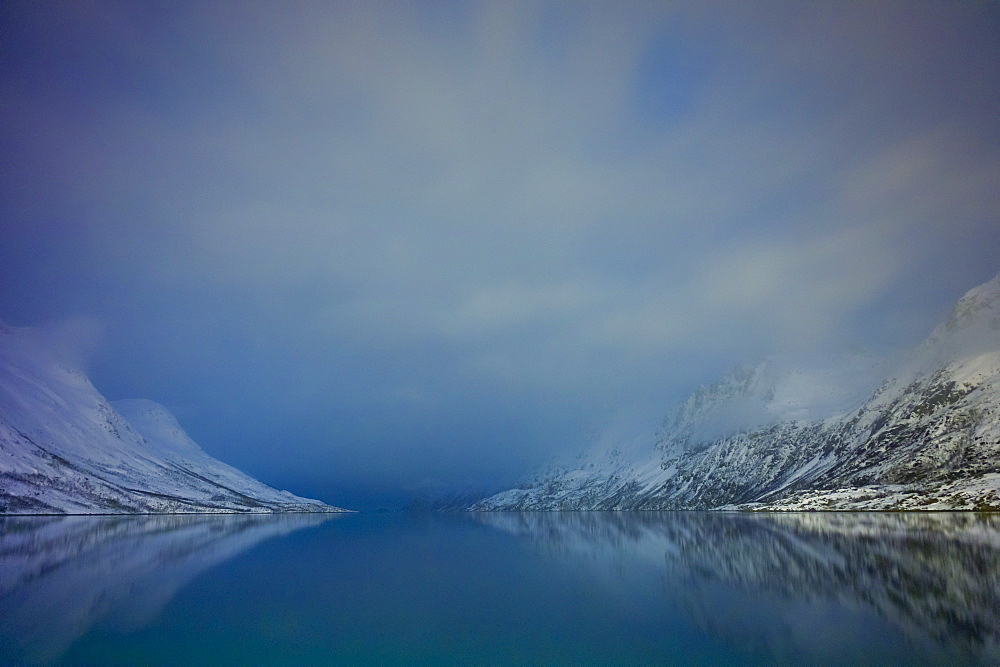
365,250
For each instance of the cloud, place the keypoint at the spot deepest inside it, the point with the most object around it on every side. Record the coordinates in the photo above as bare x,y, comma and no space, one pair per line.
379,222
75,341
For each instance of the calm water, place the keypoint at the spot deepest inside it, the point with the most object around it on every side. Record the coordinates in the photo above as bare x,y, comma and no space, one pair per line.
599,588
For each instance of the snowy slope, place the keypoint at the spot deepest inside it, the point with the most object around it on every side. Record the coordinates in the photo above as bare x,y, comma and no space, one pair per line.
65,449
770,438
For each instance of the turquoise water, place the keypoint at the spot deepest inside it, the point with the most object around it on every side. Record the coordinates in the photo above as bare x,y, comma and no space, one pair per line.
503,588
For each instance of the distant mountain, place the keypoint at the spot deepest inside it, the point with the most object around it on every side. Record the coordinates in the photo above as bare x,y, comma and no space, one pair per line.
64,449
768,438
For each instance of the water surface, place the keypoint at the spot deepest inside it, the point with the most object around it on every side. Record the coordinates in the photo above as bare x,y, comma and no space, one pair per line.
502,588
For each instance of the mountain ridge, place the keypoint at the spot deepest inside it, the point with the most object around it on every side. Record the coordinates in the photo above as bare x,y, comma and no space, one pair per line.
65,449
927,438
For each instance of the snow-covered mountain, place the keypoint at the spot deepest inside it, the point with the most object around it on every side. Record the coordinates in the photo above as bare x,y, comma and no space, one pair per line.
64,449
765,437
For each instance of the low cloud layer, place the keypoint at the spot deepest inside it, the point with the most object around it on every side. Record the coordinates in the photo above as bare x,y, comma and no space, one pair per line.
390,245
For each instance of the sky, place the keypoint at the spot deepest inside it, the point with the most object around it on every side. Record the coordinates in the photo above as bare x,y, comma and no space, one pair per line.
367,251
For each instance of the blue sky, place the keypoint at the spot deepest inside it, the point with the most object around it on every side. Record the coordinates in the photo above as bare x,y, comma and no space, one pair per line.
364,250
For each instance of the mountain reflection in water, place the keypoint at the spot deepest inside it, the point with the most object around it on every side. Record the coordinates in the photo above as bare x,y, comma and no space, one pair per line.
501,588
61,576
933,575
